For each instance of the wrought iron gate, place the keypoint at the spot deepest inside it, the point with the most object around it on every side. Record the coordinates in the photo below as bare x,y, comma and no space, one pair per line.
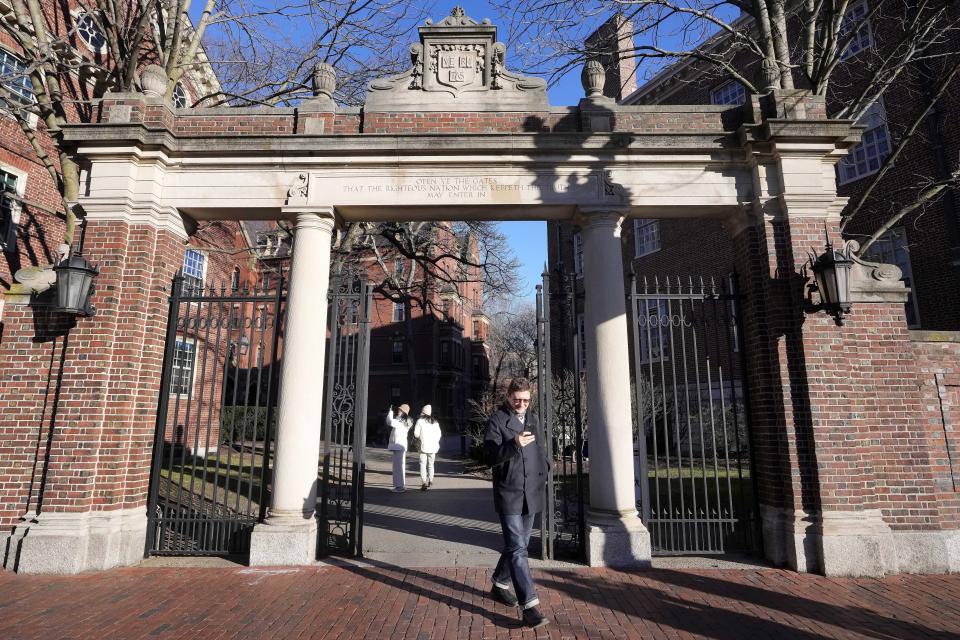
695,485
558,404
345,418
215,418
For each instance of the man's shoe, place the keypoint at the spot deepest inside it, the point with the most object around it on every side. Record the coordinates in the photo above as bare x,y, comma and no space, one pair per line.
503,596
423,487
533,618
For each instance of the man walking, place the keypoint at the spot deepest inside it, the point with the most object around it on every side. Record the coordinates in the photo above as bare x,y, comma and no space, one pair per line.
520,470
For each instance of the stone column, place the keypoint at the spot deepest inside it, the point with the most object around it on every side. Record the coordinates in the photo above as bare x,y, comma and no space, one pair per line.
289,535
615,535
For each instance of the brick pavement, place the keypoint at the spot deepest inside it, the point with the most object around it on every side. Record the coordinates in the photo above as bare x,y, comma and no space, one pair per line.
352,601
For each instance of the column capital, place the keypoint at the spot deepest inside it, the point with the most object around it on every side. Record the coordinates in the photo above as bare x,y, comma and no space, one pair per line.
311,216
600,216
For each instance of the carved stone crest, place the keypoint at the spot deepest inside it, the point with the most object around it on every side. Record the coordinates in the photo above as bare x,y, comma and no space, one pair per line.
299,190
458,65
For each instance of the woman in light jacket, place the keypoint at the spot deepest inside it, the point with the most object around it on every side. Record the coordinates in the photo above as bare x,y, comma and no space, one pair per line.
399,427
427,431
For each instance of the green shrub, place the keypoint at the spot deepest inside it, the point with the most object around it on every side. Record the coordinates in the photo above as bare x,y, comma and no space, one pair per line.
239,424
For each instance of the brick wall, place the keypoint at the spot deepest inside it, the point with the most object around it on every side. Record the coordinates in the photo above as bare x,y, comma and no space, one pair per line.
838,423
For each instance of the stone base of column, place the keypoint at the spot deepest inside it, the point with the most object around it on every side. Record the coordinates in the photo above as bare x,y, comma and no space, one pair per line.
855,544
617,541
66,543
284,541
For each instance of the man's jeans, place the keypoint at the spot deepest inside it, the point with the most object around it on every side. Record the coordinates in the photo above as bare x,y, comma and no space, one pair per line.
513,561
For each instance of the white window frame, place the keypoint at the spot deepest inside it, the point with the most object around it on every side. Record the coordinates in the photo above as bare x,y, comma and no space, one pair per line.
78,15
396,354
731,92
893,248
189,285
19,188
175,390
654,339
866,158
856,12
398,312
646,236
578,254
32,118
184,92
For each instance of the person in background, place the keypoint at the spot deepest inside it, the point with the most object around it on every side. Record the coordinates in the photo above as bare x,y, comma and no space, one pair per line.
520,470
399,427
427,431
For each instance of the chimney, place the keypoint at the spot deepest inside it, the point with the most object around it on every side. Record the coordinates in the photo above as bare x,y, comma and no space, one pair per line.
612,44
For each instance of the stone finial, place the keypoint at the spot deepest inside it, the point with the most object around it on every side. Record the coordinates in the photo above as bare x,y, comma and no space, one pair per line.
324,79
769,75
154,81
593,77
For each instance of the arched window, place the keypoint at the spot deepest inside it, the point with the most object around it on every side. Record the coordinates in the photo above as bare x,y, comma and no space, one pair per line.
181,100
89,31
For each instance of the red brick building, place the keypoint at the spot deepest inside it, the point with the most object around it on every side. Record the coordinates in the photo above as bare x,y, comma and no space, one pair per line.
852,449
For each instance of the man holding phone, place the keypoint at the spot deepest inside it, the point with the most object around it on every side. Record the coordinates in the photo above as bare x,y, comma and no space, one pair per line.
520,470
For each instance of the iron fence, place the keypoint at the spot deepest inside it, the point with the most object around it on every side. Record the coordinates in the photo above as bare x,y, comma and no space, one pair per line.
210,473
694,480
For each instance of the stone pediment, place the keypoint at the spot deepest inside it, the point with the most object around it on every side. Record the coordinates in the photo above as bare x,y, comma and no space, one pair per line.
458,65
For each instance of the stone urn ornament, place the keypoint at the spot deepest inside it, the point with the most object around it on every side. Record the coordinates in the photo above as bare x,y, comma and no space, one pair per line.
324,80
153,80
593,77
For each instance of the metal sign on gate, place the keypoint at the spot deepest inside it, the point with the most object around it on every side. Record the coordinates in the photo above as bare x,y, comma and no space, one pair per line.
216,416
694,479
343,464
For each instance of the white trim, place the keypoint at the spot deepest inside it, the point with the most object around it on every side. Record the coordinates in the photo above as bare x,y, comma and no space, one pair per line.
876,116
76,15
851,52
193,367
648,248
19,189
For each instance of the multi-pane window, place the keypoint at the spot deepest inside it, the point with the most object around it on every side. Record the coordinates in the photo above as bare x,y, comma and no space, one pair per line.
892,248
445,309
13,75
856,18
395,393
654,327
194,270
578,255
867,157
646,234
397,351
476,366
475,333
729,93
184,357
398,312
444,352
90,32
398,267
180,98
9,211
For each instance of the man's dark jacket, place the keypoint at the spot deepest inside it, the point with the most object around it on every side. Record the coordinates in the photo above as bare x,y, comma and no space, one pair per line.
519,473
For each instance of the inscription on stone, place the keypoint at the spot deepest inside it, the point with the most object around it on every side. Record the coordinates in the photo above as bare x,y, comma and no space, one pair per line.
461,188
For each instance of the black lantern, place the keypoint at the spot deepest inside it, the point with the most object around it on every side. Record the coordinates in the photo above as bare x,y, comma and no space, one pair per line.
832,272
75,285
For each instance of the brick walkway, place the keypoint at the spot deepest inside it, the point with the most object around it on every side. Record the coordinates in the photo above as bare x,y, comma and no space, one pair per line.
375,602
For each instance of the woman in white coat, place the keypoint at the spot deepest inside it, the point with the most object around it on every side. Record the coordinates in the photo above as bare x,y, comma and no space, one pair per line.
399,427
427,431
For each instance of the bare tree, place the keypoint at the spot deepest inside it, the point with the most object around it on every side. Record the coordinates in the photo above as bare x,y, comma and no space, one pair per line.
235,51
512,342
773,44
418,264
